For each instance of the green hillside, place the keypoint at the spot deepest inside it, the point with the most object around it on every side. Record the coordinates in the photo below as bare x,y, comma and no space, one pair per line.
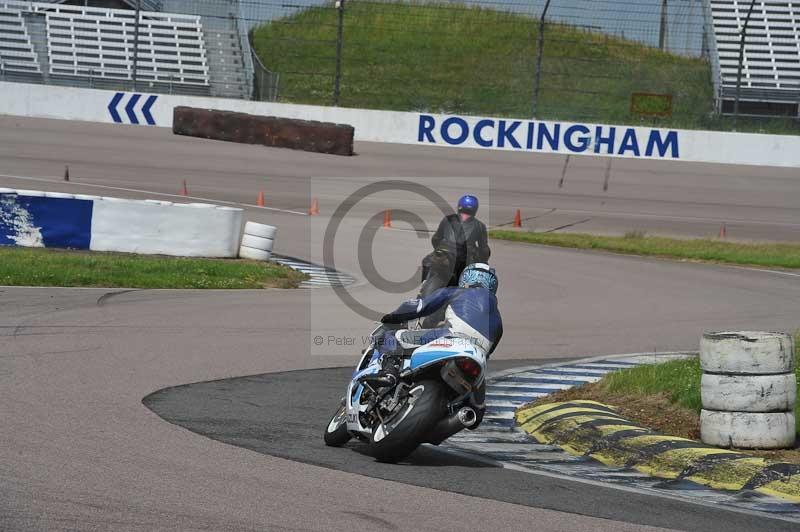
435,58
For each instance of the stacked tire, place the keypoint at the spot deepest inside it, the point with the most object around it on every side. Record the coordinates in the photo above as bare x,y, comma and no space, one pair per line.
257,241
748,390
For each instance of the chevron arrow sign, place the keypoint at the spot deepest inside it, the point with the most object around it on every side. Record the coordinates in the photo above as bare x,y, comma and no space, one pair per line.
121,109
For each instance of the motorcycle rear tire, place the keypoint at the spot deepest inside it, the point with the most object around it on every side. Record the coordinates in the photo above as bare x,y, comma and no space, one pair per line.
403,440
336,433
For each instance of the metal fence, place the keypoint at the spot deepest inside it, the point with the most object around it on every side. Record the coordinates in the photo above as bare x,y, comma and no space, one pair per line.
620,61
628,61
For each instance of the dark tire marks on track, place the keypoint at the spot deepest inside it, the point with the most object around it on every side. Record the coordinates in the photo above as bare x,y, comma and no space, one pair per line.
283,415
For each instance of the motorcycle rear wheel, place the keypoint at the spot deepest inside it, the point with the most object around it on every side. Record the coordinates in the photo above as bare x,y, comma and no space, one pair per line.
336,433
414,421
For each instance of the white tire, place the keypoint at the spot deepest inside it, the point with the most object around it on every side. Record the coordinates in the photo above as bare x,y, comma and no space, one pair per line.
747,352
253,253
262,230
257,242
747,430
749,393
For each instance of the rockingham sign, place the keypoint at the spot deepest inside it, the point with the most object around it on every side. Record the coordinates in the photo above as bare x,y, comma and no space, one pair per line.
550,137
420,128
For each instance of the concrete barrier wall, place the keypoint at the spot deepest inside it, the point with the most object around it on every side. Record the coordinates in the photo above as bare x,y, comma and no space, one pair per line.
19,99
42,219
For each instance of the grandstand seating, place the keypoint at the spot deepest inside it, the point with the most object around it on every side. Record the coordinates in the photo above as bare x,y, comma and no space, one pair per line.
771,66
98,43
16,50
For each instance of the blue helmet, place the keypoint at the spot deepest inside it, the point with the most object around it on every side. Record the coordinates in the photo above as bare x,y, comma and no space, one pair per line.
468,205
479,274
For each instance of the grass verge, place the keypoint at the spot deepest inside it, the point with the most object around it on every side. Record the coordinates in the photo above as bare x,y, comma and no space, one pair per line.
50,267
705,250
664,397
458,59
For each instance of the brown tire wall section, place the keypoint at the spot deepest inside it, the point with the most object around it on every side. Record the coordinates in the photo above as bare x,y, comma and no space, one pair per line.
320,137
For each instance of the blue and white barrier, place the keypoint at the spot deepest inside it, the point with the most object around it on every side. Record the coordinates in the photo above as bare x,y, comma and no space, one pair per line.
423,129
33,218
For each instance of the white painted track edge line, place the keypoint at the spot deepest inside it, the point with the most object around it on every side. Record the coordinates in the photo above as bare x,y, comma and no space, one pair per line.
762,270
141,191
522,369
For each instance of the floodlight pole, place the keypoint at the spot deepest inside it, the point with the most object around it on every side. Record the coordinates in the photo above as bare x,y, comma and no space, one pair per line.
538,73
337,80
663,34
741,64
136,44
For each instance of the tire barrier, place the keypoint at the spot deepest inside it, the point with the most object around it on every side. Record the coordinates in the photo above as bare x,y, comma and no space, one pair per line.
320,137
257,241
749,393
748,430
33,218
589,428
747,352
748,390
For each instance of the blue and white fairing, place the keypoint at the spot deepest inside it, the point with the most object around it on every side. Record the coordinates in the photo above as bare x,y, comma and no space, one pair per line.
367,366
443,349
433,353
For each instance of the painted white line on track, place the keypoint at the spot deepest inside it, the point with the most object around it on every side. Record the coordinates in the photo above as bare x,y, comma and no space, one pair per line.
549,377
141,191
604,367
499,415
777,272
499,394
502,442
626,357
578,372
511,404
702,219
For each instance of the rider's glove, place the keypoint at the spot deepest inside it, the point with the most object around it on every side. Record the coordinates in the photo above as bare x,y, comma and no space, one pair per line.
388,318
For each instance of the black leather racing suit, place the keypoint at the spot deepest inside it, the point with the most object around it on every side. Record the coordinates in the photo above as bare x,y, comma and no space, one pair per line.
456,245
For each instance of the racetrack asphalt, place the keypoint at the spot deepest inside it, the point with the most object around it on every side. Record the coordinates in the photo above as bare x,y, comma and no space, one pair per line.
233,411
79,451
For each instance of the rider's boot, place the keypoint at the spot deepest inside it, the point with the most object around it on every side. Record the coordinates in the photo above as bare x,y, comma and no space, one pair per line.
389,375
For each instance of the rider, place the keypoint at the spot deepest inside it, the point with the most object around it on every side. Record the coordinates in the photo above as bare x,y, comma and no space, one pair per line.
471,313
461,239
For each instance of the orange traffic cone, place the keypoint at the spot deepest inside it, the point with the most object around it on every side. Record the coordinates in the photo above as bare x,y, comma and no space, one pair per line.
518,219
314,207
184,190
260,201
723,231
387,218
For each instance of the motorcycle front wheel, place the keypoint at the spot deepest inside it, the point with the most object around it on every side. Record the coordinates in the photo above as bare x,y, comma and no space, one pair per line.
398,436
336,433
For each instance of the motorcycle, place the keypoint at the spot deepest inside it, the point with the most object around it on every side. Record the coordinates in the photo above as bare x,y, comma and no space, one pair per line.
440,391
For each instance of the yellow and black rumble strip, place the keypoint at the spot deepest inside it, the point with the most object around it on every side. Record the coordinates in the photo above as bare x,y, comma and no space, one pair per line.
589,428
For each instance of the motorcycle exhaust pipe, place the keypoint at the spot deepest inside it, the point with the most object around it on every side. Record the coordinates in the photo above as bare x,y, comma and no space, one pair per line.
455,422
467,416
